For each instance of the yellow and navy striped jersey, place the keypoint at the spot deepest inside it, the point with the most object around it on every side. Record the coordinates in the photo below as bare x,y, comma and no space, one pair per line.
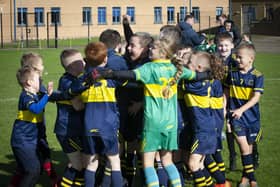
198,102
68,121
217,102
241,89
101,112
25,129
160,113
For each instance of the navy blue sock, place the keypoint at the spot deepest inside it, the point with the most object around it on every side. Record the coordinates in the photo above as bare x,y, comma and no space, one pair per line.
199,178
68,177
214,170
79,179
116,179
181,169
162,175
208,178
89,178
151,177
220,162
106,181
130,168
248,167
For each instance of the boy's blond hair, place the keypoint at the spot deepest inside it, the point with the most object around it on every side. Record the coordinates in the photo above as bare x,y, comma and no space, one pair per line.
250,47
64,57
32,60
24,74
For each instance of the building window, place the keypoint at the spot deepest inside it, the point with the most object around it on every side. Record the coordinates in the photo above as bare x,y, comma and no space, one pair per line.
219,11
131,12
39,16
86,15
22,16
157,15
116,15
196,14
183,13
170,15
101,15
55,15
252,13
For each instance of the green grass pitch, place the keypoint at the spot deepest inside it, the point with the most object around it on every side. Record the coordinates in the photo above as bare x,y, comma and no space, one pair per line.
267,174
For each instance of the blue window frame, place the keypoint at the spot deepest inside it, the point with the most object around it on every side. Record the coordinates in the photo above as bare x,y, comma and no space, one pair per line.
196,14
219,11
116,15
39,15
131,12
21,16
86,15
183,13
157,15
170,15
55,15
101,11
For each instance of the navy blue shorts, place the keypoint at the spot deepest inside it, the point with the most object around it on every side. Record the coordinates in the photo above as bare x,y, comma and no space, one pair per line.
101,145
27,159
252,132
219,130
186,138
70,144
204,143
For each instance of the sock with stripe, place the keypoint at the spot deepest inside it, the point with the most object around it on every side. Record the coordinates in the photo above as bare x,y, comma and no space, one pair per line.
181,169
173,175
68,177
199,178
162,175
151,177
130,168
116,179
214,170
208,178
220,162
79,179
89,178
106,181
248,167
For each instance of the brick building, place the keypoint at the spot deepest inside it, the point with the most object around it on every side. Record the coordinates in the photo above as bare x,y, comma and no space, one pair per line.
23,19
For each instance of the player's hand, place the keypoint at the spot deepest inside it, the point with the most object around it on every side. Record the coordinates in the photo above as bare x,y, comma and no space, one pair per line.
236,114
50,88
126,19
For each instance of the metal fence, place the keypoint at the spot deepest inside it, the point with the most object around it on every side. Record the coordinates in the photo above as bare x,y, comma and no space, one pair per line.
68,29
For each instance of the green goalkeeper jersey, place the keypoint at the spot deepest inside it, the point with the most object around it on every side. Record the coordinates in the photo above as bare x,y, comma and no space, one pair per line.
160,113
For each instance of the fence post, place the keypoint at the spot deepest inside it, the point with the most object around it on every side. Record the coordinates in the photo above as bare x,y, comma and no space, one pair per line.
1,18
55,30
88,31
37,33
48,30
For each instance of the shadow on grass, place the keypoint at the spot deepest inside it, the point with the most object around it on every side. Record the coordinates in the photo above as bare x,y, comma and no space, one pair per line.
7,169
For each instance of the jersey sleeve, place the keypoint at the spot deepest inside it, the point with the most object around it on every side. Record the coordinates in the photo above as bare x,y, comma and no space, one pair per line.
259,84
143,73
188,74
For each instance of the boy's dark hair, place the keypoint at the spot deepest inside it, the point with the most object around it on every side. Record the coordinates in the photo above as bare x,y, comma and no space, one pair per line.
224,36
189,16
111,38
229,21
95,53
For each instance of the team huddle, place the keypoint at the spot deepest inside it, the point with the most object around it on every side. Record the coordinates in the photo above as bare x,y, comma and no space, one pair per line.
148,112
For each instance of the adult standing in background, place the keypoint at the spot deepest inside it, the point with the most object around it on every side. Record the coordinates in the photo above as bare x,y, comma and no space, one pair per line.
227,25
189,36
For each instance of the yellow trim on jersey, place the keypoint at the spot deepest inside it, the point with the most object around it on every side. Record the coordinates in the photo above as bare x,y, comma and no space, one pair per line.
26,115
197,101
239,92
217,102
153,184
155,90
65,102
100,93
161,61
